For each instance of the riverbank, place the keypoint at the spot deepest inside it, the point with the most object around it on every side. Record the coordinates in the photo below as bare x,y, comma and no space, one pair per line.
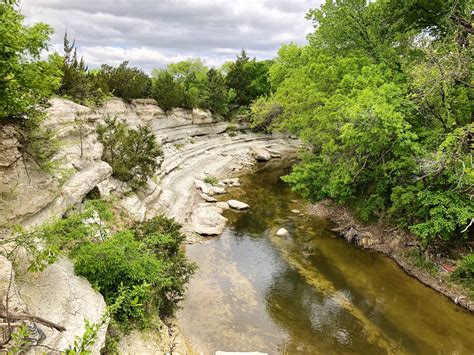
394,243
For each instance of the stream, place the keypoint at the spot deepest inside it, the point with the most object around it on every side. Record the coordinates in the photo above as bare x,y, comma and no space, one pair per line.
312,293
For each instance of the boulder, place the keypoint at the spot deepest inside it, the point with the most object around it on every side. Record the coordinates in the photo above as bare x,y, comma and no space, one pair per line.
59,296
238,205
201,116
134,207
260,154
283,232
206,219
207,198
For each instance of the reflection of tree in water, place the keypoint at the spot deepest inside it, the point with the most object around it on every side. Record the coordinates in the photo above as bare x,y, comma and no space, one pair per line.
267,190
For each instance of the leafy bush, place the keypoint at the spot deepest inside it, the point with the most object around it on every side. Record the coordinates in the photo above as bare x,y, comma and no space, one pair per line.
465,267
133,154
46,243
264,113
143,267
209,179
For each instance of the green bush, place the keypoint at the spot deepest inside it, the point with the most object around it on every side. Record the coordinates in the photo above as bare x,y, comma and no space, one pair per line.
143,268
211,180
133,154
166,91
465,268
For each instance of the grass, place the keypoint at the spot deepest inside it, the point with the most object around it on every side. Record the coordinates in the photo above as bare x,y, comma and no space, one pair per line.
211,180
421,261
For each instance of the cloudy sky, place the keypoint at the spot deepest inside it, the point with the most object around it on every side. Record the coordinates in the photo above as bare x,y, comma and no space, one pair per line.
153,33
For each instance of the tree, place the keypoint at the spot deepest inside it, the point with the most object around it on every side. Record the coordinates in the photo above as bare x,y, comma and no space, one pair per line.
217,98
239,78
26,81
126,82
166,91
382,97
133,154
75,82
248,79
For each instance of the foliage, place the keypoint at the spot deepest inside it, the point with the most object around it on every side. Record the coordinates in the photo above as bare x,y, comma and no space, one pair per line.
265,112
465,267
143,267
82,344
26,81
248,79
46,243
133,154
382,97
125,82
209,179
217,95
166,91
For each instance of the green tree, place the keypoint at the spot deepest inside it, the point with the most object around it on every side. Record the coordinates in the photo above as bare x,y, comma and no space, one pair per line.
75,82
166,91
217,98
26,81
126,82
382,96
133,154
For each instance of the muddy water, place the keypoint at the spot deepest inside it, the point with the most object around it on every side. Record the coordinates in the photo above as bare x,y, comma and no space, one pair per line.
312,293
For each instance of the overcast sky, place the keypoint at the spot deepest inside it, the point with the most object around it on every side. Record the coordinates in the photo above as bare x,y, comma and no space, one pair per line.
153,33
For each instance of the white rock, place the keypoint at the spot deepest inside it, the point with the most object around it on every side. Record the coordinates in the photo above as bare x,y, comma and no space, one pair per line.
282,232
222,204
134,207
208,198
260,154
216,190
295,211
206,219
201,116
58,295
238,205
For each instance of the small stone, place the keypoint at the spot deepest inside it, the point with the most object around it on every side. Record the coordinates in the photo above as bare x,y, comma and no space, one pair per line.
238,205
222,204
283,232
295,211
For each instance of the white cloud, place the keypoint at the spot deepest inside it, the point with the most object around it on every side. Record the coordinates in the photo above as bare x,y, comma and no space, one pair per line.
152,33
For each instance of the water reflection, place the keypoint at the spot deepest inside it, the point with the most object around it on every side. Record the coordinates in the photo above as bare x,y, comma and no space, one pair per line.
311,293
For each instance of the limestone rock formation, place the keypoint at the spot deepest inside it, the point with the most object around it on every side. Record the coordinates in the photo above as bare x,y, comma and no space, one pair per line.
60,296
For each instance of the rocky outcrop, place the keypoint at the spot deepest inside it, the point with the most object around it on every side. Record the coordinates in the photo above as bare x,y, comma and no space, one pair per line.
31,197
60,296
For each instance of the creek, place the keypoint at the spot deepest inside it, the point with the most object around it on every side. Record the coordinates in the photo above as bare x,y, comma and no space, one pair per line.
311,293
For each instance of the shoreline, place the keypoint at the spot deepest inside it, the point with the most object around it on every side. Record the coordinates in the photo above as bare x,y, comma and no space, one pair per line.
391,242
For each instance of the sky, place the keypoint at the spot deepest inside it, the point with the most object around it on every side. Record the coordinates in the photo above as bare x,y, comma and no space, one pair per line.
153,33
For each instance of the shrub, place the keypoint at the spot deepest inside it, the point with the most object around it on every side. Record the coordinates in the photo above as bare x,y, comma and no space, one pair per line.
211,180
143,269
465,268
133,154
264,112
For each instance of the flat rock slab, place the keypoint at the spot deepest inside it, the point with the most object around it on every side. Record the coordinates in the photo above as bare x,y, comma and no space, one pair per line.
207,220
238,205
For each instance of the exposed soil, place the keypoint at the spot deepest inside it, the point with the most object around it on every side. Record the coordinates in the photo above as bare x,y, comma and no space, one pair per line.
396,244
